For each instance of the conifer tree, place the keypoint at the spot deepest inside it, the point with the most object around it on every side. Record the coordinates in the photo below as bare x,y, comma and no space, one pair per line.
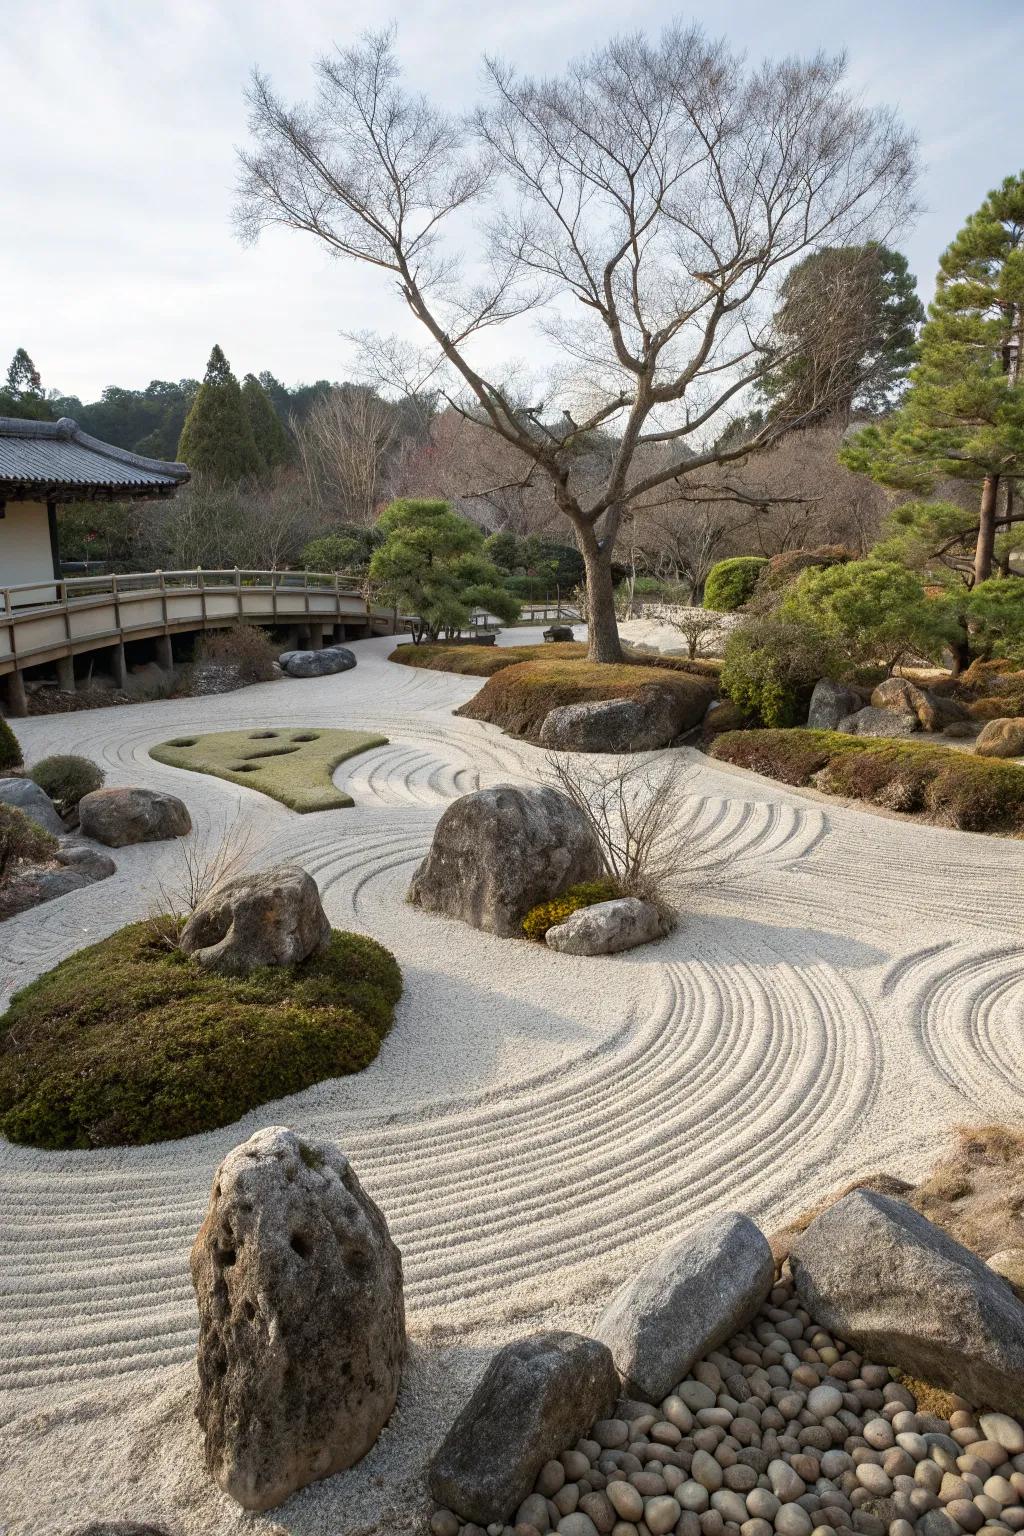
963,414
217,439
271,437
22,392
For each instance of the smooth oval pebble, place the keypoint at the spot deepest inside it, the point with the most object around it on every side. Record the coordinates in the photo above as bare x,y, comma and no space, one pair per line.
661,1514
625,1500
444,1523
824,1400
577,1524
731,1506
874,1479
793,1520
1000,1489
966,1514
762,1503
693,1495
1004,1431
706,1470
611,1433
550,1478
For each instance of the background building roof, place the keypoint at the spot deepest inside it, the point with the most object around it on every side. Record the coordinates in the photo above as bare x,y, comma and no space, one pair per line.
56,460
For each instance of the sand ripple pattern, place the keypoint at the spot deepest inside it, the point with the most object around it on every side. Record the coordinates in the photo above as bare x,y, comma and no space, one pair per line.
534,1125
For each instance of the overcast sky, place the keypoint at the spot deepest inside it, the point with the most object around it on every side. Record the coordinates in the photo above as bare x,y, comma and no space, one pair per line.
117,259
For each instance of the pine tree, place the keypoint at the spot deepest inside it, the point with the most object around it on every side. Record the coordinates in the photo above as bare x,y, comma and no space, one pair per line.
272,441
845,327
22,393
217,439
963,414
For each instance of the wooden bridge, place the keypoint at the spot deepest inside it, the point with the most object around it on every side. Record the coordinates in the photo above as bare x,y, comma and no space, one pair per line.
46,625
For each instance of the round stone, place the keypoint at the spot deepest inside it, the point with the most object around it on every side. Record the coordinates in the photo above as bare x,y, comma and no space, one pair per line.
693,1495
575,1463
444,1523
874,1479
665,1433
786,1485
577,1524
762,1504
879,1434
966,1514
731,1506
625,1500
1000,1489
758,1527
696,1395
675,1411
661,1514
1004,1431
611,1433
793,1520
706,1470
824,1400
550,1478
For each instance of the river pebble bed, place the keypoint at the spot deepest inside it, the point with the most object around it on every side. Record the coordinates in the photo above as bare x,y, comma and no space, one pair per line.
784,1430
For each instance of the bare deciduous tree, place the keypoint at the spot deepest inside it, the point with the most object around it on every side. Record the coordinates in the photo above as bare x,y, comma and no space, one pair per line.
346,448
646,204
204,861
633,805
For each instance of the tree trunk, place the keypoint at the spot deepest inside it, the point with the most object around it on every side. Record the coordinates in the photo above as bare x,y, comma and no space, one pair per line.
960,650
986,528
603,632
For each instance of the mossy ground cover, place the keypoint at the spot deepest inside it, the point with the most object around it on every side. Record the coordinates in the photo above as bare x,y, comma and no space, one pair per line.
481,660
129,1041
291,765
519,697
937,783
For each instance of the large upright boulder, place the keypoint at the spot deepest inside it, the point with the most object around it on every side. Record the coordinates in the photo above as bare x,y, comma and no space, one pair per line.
537,1396
301,1318
498,852
688,1300
932,711
270,917
878,1274
117,817
830,703
26,796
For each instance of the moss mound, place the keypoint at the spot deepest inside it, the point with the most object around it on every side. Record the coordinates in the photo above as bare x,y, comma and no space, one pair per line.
67,779
950,788
292,766
549,913
128,1041
519,697
482,660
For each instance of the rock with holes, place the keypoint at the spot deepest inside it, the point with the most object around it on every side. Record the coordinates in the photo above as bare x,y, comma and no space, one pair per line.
537,1396
878,1274
333,658
498,852
689,1299
301,1318
117,817
269,917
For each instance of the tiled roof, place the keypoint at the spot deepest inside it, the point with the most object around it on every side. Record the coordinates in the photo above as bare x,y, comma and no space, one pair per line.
57,457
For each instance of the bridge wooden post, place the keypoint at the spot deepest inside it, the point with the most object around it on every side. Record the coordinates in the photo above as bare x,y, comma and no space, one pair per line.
17,698
66,674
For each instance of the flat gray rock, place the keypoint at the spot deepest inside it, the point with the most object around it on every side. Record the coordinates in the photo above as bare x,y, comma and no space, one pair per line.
615,725
301,1318
688,1300
498,852
117,817
831,703
872,721
537,1396
322,663
26,796
270,917
888,1281
608,927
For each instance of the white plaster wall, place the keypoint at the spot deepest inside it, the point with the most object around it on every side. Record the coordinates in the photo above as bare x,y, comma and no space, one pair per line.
25,549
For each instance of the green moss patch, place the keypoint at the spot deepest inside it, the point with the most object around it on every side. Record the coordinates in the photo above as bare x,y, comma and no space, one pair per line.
129,1042
519,697
293,766
549,913
941,785
481,660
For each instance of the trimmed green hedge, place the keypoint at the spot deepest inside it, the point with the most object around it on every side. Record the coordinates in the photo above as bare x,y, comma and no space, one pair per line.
731,583
10,751
129,1041
941,784
66,779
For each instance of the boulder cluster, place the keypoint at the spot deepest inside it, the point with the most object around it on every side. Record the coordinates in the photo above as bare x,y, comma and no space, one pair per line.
776,1423
897,707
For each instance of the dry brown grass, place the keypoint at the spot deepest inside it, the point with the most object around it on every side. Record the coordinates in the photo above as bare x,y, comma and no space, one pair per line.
519,698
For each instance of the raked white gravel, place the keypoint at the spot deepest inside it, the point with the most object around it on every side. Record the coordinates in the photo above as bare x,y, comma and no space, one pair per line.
841,989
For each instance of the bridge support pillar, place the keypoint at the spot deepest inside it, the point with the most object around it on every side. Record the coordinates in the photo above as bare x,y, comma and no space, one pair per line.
66,674
316,637
164,653
119,666
17,699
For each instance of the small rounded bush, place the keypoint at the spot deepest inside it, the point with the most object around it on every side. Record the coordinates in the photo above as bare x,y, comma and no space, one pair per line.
66,778
21,838
129,1041
731,583
10,752
549,913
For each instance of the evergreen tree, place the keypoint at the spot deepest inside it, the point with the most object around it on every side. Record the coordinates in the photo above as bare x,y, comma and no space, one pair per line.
22,394
963,414
845,327
432,564
217,439
272,441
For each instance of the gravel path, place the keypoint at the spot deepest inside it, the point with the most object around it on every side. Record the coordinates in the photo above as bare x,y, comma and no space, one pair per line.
841,989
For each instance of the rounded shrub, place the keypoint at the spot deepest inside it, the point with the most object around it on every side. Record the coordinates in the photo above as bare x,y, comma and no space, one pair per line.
21,839
129,1041
10,752
771,666
731,583
66,779
550,913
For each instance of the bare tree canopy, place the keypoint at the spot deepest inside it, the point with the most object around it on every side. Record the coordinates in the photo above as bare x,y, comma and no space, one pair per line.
645,207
